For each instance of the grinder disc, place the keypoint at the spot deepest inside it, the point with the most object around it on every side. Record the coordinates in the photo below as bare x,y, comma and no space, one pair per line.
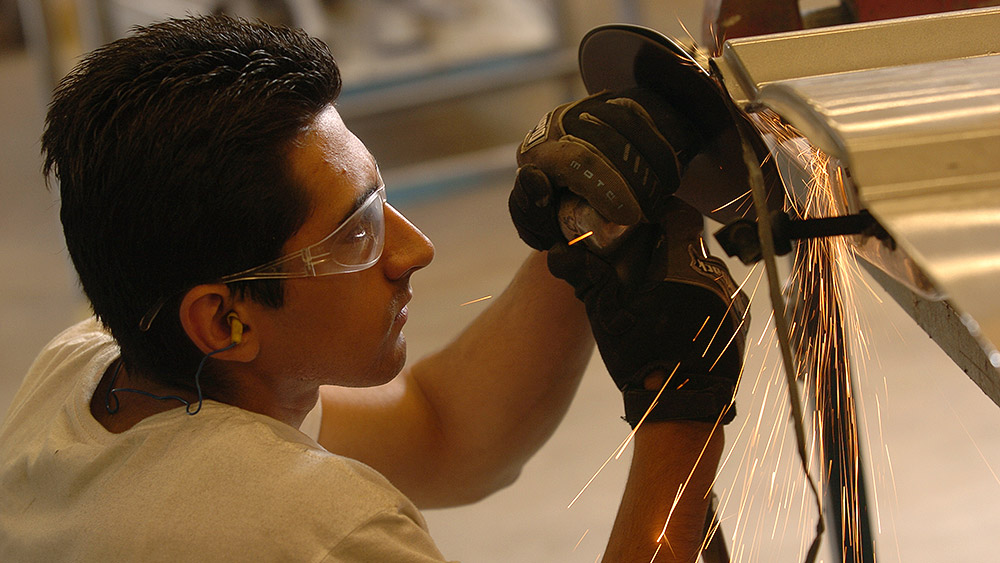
623,56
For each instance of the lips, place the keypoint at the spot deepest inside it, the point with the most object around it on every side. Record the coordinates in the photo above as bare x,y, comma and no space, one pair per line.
403,313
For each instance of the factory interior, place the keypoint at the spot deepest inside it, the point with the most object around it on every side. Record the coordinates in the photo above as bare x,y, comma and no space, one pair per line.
441,92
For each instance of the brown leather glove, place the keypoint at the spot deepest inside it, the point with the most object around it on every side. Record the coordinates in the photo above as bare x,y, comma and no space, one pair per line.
662,304
622,152
659,301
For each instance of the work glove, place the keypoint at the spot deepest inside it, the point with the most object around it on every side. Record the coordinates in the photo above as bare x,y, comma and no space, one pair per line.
623,152
662,305
658,304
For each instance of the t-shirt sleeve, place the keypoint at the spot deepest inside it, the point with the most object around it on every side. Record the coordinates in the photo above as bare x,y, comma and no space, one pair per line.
388,537
311,424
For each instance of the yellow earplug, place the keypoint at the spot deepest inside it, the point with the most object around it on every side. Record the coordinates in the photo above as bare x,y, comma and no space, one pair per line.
235,327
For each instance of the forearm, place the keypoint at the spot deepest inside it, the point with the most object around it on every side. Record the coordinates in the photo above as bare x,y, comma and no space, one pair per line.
459,424
666,498
500,389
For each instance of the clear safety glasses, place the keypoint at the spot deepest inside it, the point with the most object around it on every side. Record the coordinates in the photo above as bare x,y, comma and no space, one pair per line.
356,244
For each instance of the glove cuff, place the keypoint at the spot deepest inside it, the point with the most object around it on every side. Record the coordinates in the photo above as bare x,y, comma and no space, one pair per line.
704,398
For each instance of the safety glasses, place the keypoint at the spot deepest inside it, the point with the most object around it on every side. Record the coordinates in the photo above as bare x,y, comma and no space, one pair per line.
356,244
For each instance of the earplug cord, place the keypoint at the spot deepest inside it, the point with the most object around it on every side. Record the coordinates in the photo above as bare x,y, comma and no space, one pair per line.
187,404
235,336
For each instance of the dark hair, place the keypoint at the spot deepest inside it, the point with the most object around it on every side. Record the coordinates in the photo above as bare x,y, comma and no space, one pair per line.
170,147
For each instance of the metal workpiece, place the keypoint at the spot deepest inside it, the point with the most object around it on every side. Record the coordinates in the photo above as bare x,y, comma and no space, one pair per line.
946,327
910,108
942,116
884,138
747,64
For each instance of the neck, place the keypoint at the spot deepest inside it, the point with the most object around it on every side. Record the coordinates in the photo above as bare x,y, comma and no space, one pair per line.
289,404
123,399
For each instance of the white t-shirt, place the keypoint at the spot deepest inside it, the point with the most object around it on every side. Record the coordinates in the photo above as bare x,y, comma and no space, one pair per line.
222,485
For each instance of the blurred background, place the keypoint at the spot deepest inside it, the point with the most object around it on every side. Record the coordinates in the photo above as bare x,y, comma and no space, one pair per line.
441,91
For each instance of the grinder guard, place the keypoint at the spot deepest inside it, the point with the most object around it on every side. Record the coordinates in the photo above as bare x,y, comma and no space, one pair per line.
622,56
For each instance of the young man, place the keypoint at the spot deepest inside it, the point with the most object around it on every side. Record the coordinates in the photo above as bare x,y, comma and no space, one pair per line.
235,243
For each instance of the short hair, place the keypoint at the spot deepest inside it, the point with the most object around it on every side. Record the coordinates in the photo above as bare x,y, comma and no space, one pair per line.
171,148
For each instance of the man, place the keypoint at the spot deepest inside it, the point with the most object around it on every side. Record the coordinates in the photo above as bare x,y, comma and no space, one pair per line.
234,240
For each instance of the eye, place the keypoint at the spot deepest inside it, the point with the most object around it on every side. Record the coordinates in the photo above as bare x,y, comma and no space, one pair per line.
358,231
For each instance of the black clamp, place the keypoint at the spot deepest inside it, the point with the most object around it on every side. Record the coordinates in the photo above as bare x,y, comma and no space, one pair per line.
741,239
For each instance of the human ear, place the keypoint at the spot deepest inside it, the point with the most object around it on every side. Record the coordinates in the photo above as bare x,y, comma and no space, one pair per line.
213,323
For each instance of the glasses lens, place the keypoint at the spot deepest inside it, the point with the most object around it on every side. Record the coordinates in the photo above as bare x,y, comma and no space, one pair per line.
357,244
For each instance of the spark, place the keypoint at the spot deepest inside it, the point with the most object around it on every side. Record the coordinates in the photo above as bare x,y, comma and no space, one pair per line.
581,540
670,513
655,553
652,405
687,481
697,334
745,281
722,322
596,473
975,445
726,347
892,473
737,198
624,444
579,238
710,533
725,317
821,321
770,321
621,448
825,331
680,22
476,300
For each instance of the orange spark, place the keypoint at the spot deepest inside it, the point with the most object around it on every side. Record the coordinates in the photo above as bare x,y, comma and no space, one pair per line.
708,318
579,238
621,447
476,300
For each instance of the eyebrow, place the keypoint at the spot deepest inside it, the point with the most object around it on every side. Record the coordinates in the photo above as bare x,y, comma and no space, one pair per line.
363,196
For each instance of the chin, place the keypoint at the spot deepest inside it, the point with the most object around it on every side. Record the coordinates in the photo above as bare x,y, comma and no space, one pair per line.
398,360
389,365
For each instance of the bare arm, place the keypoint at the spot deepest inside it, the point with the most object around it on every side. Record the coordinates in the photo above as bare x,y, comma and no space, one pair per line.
460,423
666,497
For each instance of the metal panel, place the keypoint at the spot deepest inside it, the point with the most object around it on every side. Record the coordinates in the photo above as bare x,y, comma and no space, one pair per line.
747,64
912,109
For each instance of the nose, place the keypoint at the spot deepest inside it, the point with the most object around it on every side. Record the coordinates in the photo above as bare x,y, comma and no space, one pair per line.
406,248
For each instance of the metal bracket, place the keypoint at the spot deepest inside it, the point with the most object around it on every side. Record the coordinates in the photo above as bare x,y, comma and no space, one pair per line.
741,238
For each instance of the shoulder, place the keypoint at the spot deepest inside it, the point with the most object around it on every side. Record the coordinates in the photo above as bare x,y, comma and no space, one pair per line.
266,486
81,352
78,342
238,451
387,536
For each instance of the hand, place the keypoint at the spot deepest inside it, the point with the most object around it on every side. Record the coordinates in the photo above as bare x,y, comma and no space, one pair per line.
658,304
534,208
662,306
624,152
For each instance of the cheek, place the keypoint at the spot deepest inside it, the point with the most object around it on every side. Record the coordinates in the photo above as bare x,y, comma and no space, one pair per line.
346,324
356,308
